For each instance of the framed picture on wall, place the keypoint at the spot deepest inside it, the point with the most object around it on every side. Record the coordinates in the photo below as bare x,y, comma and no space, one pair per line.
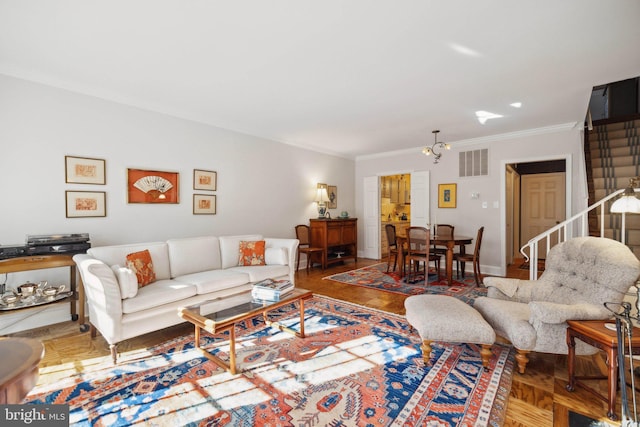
204,204
332,190
205,180
148,186
85,204
84,170
447,195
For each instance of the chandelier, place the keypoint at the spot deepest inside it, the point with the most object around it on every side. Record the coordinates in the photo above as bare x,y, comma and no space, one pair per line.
436,148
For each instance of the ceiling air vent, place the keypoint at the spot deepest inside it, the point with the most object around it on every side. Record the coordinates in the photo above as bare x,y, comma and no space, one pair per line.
474,162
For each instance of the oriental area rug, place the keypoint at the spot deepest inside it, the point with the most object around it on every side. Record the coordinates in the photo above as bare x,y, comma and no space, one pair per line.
356,367
376,277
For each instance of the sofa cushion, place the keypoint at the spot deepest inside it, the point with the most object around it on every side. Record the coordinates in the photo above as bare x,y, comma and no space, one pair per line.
117,254
261,272
127,280
230,246
251,252
142,265
276,256
193,255
158,293
214,280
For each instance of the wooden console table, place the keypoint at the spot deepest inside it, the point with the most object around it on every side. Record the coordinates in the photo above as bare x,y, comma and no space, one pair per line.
38,262
338,237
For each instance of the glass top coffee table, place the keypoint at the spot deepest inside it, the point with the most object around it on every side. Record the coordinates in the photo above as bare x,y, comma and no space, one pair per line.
219,321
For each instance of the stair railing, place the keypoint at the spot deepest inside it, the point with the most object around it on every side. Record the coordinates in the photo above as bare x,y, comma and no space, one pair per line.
576,226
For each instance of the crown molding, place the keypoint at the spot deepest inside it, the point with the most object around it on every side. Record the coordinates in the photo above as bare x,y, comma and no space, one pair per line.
481,140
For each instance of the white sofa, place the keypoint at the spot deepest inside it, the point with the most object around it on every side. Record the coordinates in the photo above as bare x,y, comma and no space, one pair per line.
188,271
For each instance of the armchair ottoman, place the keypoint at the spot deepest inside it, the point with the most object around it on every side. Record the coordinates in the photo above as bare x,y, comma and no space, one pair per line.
445,318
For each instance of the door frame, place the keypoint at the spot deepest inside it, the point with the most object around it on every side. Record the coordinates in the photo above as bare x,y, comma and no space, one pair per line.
503,197
377,248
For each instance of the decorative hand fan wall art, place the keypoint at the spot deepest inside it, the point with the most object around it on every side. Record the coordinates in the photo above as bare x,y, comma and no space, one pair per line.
146,186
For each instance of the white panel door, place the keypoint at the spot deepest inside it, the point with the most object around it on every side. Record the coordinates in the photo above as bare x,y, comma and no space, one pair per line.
543,204
420,198
371,218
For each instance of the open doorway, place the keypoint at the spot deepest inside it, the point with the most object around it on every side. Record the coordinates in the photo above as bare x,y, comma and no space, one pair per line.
395,206
536,199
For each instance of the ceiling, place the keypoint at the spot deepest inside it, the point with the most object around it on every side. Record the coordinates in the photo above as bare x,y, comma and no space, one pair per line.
345,77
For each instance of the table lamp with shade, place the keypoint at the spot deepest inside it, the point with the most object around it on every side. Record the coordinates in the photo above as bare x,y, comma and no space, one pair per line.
322,197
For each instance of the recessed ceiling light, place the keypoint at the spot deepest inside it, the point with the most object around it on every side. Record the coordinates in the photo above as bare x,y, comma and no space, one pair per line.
464,50
483,116
516,104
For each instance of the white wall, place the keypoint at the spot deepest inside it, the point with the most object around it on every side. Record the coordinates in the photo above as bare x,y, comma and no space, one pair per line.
469,215
263,186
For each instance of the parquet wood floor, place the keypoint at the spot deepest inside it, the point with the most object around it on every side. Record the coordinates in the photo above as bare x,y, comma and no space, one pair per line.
538,397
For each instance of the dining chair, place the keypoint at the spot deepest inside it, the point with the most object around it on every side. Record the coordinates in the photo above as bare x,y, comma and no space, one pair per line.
444,230
303,234
418,250
392,242
473,258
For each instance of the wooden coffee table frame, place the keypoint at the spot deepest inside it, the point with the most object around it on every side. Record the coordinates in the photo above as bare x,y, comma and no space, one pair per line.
202,322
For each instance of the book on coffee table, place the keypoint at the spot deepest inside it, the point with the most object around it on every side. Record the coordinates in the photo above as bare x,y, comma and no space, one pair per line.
271,290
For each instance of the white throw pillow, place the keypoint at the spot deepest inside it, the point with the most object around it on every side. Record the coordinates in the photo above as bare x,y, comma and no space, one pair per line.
276,256
127,280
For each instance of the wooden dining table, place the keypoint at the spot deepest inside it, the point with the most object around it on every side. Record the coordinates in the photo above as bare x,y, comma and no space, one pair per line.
449,241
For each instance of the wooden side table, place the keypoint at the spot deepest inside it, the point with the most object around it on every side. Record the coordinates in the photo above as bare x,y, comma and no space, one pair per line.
19,368
594,332
38,262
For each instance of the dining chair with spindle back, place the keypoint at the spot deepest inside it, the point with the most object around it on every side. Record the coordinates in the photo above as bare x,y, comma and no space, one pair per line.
418,251
473,258
392,242
444,230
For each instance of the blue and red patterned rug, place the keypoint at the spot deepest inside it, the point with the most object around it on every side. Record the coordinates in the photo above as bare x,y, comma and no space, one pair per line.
376,277
356,367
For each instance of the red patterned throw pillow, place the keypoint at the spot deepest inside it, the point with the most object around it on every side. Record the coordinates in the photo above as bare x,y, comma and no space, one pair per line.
251,253
142,265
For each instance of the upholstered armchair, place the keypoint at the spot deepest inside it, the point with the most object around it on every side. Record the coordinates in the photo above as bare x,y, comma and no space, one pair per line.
580,275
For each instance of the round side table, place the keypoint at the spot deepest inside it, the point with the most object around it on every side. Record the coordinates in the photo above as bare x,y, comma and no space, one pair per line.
19,368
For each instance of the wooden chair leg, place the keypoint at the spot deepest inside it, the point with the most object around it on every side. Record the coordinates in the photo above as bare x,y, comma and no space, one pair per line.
486,354
476,272
298,261
522,359
426,351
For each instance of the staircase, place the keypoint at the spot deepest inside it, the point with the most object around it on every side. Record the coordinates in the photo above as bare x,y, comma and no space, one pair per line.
612,154
614,149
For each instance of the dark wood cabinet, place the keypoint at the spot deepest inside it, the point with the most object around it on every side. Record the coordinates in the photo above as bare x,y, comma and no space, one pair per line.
338,237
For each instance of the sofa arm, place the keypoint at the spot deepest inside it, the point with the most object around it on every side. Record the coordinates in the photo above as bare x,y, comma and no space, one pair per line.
103,296
551,312
291,245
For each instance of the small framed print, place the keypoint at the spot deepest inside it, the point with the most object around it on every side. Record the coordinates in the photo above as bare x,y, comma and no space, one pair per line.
205,180
204,204
83,170
447,195
332,190
86,204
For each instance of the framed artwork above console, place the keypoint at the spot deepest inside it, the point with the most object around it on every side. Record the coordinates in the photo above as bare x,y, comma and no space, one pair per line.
149,186
84,170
